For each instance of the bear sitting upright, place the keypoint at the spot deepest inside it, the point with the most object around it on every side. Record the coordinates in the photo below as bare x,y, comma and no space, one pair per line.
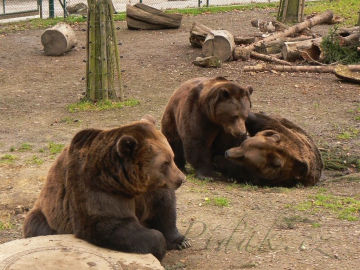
197,112
277,153
114,188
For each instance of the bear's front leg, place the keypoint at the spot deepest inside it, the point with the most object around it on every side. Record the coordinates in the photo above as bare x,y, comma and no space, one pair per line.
198,154
127,235
162,205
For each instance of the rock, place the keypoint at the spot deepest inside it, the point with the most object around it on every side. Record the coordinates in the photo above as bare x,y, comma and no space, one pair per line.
58,252
210,61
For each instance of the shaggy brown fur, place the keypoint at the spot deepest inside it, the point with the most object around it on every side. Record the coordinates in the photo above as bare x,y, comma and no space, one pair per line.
113,188
197,112
277,153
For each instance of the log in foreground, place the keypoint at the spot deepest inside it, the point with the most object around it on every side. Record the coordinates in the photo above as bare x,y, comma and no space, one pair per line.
319,69
144,17
244,52
58,39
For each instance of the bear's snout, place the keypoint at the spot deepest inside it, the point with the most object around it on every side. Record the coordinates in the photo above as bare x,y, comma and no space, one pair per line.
181,179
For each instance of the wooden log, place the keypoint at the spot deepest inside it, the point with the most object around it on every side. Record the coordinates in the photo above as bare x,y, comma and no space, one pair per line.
151,15
198,33
291,51
344,73
318,19
269,58
134,24
210,61
58,39
240,40
319,69
219,43
350,40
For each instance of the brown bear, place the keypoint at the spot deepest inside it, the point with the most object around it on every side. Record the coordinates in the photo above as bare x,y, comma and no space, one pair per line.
277,153
197,112
114,188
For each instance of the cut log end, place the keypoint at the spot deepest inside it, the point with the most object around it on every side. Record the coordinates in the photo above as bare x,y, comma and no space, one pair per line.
58,39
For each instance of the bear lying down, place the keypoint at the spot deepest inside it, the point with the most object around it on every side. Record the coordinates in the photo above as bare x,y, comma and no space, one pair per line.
115,189
278,152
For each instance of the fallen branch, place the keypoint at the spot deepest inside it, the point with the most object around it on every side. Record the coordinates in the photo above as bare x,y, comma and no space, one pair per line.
344,73
319,69
269,58
244,52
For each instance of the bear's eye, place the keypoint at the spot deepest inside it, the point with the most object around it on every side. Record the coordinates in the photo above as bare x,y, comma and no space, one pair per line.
165,165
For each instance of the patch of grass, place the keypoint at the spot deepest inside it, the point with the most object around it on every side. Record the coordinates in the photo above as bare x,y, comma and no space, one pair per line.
6,225
247,265
121,16
25,147
86,105
348,9
55,148
39,23
333,52
217,201
200,182
249,187
346,208
338,160
316,225
35,160
219,9
7,158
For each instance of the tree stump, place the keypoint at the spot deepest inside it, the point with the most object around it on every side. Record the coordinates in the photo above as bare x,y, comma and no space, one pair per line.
198,34
58,39
219,43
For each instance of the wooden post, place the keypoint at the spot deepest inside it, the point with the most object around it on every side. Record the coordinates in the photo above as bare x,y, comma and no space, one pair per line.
102,53
291,10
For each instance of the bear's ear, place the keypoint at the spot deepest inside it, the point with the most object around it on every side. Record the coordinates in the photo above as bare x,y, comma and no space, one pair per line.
148,118
84,138
126,146
223,93
272,135
301,169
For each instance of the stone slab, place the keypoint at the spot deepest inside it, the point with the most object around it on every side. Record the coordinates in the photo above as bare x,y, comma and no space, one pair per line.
59,252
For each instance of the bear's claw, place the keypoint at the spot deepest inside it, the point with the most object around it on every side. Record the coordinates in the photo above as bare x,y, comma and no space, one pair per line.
184,244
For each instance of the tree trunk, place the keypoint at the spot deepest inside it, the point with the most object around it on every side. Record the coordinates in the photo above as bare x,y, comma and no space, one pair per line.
58,39
322,69
152,16
103,60
219,43
244,52
291,10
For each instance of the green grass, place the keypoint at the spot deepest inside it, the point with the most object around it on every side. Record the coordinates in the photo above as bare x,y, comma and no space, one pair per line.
337,159
6,225
345,208
348,9
121,16
217,201
34,160
55,148
69,120
334,52
7,158
25,147
86,105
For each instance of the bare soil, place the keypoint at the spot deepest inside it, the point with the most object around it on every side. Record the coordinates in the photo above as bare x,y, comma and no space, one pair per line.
260,228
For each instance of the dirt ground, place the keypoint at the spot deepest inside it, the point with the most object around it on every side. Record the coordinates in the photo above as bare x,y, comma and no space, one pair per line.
231,226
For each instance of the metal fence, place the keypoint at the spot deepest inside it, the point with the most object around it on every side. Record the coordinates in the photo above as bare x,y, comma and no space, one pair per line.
13,9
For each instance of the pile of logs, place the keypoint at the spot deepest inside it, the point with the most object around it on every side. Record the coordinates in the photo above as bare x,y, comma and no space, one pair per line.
281,44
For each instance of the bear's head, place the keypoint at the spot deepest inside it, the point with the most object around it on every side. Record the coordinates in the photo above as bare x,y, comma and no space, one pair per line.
227,104
267,156
131,160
